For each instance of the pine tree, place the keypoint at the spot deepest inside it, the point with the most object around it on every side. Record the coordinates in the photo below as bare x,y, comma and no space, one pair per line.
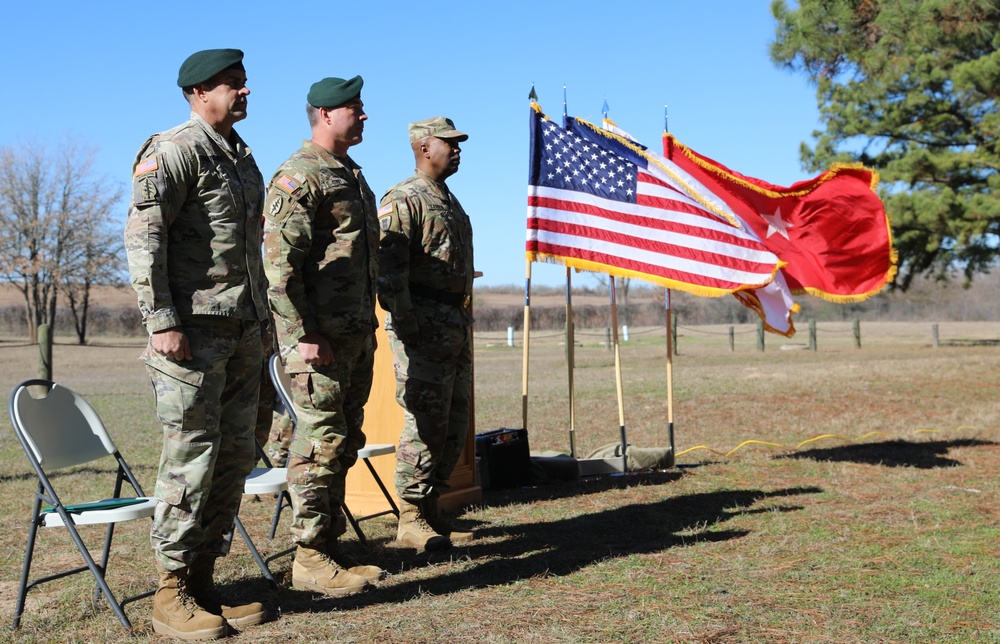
910,88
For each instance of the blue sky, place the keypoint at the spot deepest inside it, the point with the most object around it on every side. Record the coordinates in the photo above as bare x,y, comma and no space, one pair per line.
105,73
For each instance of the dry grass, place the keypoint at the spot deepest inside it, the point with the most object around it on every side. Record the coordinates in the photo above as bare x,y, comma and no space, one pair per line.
888,538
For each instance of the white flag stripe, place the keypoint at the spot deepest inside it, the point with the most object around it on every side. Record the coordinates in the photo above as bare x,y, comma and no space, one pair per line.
645,233
703,269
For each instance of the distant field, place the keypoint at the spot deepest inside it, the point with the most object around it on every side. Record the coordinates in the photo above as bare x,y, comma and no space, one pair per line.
114,297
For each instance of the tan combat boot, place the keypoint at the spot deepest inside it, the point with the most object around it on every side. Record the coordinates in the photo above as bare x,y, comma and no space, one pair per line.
441,524
316,571
175,612
201,586
415,532
352,565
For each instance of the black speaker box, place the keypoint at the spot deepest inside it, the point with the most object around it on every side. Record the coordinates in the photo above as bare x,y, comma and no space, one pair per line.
503,458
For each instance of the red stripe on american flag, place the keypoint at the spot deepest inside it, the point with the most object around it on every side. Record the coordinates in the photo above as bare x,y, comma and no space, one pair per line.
648,222
639,267
668,250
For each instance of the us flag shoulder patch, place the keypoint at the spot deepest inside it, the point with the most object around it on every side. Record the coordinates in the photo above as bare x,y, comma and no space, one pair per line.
149,165
385,210
288,183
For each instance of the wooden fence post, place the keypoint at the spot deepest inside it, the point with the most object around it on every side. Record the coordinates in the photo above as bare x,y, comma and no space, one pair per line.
44,352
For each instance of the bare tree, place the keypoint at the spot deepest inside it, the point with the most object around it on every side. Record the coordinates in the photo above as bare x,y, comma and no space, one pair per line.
55,213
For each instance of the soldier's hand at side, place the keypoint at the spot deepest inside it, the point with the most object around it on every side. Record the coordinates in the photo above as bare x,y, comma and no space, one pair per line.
172,343
315,349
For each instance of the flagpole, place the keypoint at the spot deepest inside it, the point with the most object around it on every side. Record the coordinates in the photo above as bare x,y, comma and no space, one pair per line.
527,335
570,348
532,97
670,343
570,361
618,362
618,376
670,376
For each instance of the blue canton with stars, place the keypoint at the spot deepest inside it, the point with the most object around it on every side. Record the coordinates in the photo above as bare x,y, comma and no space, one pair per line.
574,158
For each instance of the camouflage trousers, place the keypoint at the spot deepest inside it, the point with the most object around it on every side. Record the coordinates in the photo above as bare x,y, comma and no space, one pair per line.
207,406
434,388
329,406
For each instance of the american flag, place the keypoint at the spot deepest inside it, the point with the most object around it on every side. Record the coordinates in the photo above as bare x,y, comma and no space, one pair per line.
598,202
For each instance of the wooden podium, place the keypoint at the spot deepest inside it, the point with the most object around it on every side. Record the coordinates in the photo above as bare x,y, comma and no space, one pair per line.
383,423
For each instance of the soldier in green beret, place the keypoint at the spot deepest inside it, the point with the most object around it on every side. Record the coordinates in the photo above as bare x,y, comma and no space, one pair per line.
320,246
425,284
192,239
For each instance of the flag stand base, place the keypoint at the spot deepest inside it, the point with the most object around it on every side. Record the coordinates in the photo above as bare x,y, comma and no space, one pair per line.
598,466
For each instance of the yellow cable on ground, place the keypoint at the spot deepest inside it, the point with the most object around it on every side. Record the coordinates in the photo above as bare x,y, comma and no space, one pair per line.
807,441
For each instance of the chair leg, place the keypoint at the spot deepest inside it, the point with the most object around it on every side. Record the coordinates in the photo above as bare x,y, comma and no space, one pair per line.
355,525
255,553
381,486
97,572
22,590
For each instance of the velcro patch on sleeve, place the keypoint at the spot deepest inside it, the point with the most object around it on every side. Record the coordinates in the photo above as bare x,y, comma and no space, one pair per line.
287,183
148,165
385,210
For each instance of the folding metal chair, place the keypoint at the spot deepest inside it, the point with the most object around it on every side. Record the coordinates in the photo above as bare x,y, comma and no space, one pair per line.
60,430
283,385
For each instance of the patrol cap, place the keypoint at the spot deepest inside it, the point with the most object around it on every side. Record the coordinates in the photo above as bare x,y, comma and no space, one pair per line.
202,65
438,126
334,92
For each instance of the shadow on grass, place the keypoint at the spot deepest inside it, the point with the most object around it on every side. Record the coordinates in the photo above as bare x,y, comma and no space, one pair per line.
503,554
895,453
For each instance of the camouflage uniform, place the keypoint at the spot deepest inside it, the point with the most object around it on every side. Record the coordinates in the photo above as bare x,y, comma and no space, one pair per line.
425,283
192,242
320,246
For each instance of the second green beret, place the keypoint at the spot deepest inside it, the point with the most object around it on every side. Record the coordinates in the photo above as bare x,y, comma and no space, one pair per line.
202,65
333,92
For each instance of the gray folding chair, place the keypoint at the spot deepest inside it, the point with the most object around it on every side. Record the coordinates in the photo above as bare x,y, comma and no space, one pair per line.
58,429
283,385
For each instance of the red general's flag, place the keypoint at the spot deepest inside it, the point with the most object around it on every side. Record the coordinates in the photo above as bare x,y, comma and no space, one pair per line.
831,231
598,202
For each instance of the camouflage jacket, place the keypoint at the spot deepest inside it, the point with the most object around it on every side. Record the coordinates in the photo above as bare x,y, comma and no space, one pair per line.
193,230
425,256
320,246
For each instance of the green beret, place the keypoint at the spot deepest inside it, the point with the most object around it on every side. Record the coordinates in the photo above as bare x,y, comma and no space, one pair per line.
334,92
202,65
438,126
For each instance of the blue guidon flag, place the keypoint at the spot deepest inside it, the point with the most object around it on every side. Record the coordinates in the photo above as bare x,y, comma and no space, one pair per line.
600,202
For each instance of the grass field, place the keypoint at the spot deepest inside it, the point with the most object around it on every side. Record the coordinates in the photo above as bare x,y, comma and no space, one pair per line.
886,529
